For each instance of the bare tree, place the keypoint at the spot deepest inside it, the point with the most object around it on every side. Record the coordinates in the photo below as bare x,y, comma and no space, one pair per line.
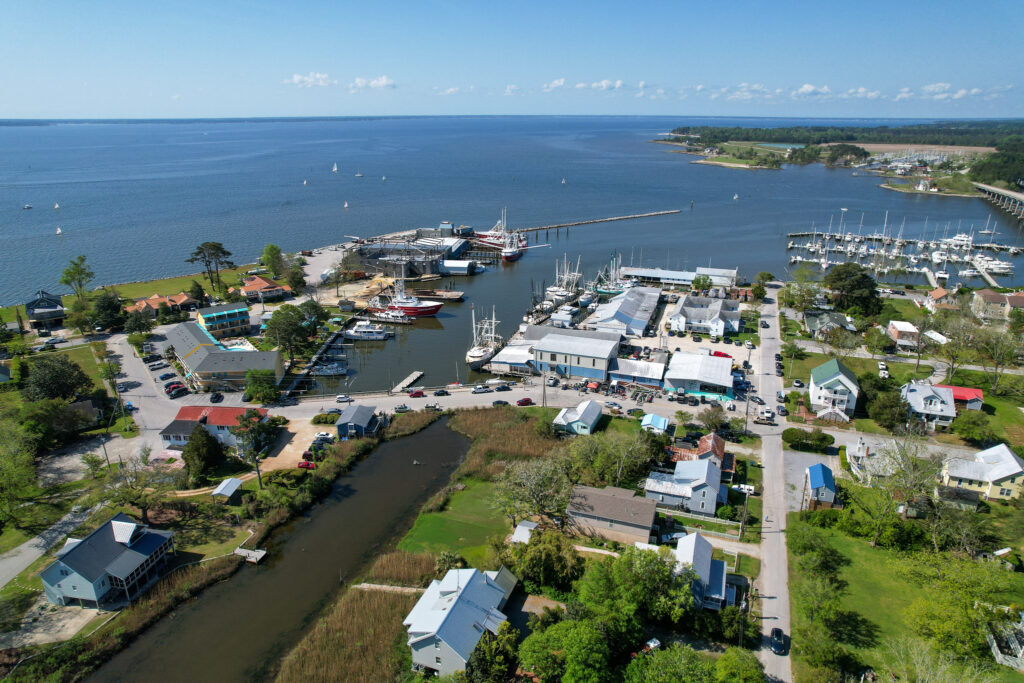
910,659
997,350
959,347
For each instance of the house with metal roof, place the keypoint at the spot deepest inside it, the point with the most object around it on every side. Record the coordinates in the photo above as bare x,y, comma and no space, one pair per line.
208,363
932,405
819,322
523,531
698,373
628,313
611,513
655,424
694,486
693,551
45,311
995,472
357,421
720,277
227,490
225,320
217,420
965,398
573,356
582,419
452,615
834,390
706,315
819,488
117,562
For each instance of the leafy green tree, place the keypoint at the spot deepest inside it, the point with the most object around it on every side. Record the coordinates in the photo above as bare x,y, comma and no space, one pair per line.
202,454
842,343
138,322
446,561
254,436
586,655
55,376
261,386
273,260
609,457
213,256
737,665
17,469
877,341
1017,321
77,276
286,329
315,315
853,289
296,278
889,410
960,333
93,463
763,278
542,653
48,421
712,418
701,283
196,291
106,310
549,559
802,292
974,426
758,291
674,664
532,488
495,657
997,350
138,485
78,321
793,351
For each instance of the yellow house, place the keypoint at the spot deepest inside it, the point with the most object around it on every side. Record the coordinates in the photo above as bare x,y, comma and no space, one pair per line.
996,473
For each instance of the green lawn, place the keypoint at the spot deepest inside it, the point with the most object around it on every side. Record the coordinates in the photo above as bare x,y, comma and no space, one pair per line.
84,358
745,565
1007,521
463,527
901,373
790,328
1004,412
898,309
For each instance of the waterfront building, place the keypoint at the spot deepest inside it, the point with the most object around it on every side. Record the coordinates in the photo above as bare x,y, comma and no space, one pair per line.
720,277
452,615
259,288
995,472
117,562
225,320
45,311
701,374
150,306
834,391
573,356
694,486
706,315
628,313
217,420
208,363
357,421
645,372
693,551
611,513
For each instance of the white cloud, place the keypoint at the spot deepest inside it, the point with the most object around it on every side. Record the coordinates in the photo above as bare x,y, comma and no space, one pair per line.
511,89
553,85
699,88
659,94
449,91
606,85
935,88
580,86
903,94
309,80
997,91
808,90
379,83
862,93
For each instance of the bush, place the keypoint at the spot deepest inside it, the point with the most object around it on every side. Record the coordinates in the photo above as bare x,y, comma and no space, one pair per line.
324,419
726,512
815,441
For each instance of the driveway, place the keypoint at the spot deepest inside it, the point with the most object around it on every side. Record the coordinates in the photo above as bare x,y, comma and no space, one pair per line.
795,464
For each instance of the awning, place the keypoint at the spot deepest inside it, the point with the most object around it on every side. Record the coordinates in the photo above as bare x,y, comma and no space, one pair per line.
593,385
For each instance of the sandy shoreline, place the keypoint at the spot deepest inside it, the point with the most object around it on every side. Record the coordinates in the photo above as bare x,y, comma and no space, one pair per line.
911,190
724,164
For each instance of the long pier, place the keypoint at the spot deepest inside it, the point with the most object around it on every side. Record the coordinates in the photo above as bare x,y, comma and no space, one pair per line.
888,239
556,226
407,382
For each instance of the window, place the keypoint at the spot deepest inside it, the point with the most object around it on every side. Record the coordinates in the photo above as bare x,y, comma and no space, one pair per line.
437,643
554,356
1005,492
437,660
702,505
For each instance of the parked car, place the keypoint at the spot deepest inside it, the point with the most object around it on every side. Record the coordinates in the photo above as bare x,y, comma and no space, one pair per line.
613,404
797,383
481,389
323,435
121,386
307,465
157,366
129,407
697,338
525,401
151,358
503,387
758,400
778,639
692,400
499,402
738,342
781,410
216,397
779,372
749,344
166,375
342,398
780,397
402,408
180,391
416,393
334,411
442,392
778,356
720,354
883,374
174,387
172,383
882,365
764,324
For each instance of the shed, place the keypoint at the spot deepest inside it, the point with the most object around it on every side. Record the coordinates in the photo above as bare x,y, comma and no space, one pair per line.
656,424
523,532
227,491
820,486
582,419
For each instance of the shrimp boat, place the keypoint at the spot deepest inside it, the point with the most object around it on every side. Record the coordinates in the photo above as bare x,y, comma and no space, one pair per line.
404,303
609,281
486,341
515,247
498,237
364,330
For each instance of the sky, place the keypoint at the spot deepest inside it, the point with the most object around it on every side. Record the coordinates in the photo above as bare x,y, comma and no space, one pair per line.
226,58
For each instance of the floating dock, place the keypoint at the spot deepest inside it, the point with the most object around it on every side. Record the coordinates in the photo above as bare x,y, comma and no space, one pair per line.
407,382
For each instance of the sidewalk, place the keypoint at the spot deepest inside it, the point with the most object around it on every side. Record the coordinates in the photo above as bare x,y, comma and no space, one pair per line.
16,561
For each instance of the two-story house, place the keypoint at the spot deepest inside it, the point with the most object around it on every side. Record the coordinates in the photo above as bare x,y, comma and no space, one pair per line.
259,288
834,391
693,551
694,486
225,320
45,311
931,405
217,420
906,335
996,472
150,306
989,306
706,315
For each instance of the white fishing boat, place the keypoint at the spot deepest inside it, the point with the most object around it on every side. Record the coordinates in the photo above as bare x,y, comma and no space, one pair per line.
364,330
968,272
335,169
333,369
486,341
498,236
358,174
942,275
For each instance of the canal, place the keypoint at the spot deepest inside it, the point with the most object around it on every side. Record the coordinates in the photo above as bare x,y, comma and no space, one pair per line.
239,630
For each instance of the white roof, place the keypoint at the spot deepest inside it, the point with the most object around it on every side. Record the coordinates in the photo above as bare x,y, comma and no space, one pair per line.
991,465
918,393
515,353
577,346
696,551
227,487
903,326
693,366
123,530
69,543
523,532
588,412
689,475
639,368
936,337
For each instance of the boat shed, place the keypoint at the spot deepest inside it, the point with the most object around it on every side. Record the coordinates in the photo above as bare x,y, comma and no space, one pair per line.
647,373
514,359
628,313
574,356
227,491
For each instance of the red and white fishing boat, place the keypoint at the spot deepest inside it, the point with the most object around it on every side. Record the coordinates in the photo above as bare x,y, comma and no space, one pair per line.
500,237
514,247
404,303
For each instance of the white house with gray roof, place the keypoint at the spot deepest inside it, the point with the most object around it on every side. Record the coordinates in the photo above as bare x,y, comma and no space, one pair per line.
834,390
995,472
452,615
700,373
628,313
695,486
582,419
706,315
932,405
693,551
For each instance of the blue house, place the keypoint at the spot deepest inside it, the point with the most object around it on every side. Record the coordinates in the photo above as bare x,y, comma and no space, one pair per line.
119,561
695,486
582,419
358,421
656,424
819,487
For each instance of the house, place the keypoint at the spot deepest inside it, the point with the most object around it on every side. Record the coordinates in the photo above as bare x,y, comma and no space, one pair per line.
996,472
150,306
706,315
834,391
573,356
866,464
820,322
259,288
989,306
905,334
694,486
45,311
358,421
693,551
698,373
218,420
452,615
524,530
119,561
582,419
628,313
819,488
709,447
227,491
208,363
225,320
939,299
932,405
611,513
84,413
965,398
655,424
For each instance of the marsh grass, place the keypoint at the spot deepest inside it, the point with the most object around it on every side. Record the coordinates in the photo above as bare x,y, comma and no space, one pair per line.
401,568
498,434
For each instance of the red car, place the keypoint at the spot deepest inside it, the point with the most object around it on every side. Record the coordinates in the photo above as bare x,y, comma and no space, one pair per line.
307,465
525,401
416,393
720,354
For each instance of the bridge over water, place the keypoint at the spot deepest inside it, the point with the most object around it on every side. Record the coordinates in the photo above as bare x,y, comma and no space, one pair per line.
1013,202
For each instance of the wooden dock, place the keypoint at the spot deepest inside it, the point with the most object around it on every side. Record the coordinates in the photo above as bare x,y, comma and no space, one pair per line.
932,282
986,277
253,556
407,382
556,226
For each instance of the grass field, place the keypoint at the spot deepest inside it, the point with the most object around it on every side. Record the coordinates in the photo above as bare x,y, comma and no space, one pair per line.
898,309
900,372
1005,414
1006,519
463,527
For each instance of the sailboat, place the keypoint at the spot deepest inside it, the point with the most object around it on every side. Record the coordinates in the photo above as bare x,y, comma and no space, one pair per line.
383,177
486,341
335,169
358,174
59,232
346,205
735,197
303,182
563,181
56,206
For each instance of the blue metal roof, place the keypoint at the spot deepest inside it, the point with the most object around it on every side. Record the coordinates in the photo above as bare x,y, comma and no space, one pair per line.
821,476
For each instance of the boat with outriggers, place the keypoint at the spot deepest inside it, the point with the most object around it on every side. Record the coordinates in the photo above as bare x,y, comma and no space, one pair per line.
486,341
404,303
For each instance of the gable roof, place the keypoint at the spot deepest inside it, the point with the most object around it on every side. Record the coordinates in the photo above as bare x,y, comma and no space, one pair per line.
938,293
656,421
917,394
227,487
577,346
816,320
688,476
709,444
991,465
830,369
44,299
618,505
964,393
358,415
696,551
587,412
990,297
698,366
216,416
821,476
117,548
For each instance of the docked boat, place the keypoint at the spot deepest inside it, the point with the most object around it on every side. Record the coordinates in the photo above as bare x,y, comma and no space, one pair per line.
497,237
365,330
942,275
486,341
404,303
968,272
515,247
443,294
332,369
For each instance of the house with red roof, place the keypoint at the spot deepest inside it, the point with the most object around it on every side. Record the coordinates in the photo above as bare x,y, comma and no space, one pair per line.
965,398
709,447
151,306
259,288
218,420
